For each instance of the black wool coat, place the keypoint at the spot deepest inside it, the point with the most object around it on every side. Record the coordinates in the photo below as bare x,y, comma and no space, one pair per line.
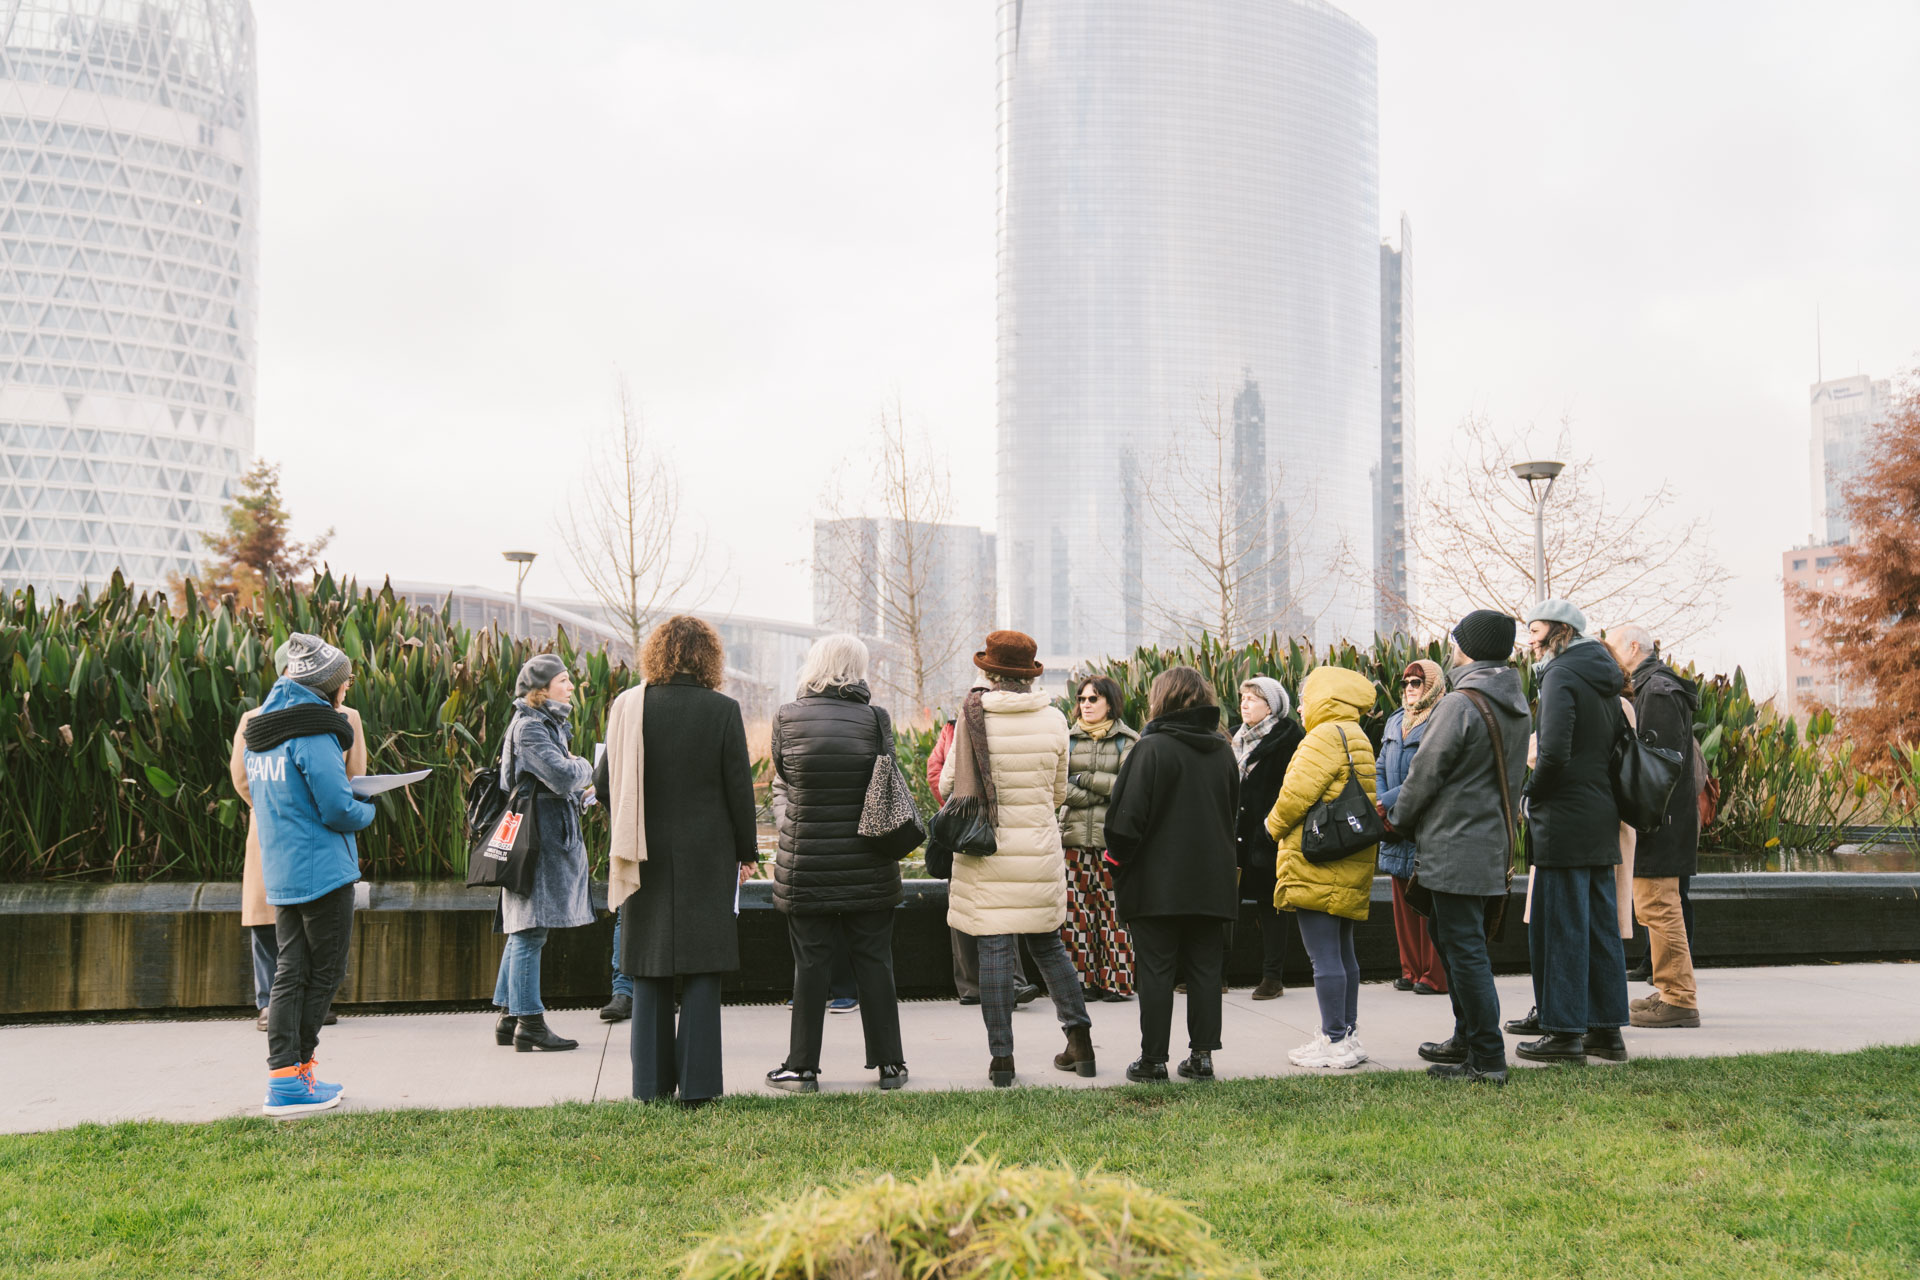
1170,823
698,783
824,748
1663,707
1257,851
1571,816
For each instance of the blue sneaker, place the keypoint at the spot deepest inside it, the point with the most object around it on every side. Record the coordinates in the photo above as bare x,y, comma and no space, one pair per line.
294,1095
318,1085
845,1004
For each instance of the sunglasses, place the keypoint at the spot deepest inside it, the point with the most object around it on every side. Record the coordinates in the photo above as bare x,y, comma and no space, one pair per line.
1091,697
1414,680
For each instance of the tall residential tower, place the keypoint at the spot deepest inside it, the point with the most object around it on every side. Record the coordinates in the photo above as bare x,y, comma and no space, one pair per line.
1189,320
1393,521
127,282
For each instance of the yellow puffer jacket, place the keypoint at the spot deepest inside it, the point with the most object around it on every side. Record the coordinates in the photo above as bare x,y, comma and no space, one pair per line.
1022,888
1332,700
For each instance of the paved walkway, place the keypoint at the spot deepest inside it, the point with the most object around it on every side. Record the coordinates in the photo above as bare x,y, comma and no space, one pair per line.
53,1077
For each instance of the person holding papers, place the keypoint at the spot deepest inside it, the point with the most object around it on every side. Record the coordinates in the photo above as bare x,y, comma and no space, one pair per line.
678,787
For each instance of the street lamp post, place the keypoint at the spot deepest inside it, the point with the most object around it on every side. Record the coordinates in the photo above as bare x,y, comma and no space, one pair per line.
1539,477
525,560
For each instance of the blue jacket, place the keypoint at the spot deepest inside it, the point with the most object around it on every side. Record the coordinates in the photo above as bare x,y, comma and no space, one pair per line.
1397,748
306,811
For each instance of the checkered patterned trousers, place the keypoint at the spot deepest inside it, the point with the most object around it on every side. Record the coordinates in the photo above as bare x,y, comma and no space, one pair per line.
1101,950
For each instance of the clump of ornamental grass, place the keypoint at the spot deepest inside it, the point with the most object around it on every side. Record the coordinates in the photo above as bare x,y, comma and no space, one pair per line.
979,1220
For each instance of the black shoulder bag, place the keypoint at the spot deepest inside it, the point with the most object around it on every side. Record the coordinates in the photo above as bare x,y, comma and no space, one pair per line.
1643,776
1343,826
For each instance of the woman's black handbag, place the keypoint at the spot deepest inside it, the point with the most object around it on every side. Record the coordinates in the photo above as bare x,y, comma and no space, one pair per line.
1343,826
965,822
504,834
1644,776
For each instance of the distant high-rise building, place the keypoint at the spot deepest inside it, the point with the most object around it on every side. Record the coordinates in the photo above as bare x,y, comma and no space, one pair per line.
1845,411
127,283
1393,520
883,580
1189,210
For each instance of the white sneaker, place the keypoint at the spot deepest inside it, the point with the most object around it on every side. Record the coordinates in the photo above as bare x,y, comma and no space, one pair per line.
1338,1055
1359,1050
1308,1054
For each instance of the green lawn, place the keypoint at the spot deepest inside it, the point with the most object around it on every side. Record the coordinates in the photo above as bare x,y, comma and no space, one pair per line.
1788,1165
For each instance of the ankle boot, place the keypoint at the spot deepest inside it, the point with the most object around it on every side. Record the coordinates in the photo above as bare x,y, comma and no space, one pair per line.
533,1035
1000,1071
503,1029
1078,1057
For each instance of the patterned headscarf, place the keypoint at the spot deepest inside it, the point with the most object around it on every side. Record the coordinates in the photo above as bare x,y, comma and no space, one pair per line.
1420,707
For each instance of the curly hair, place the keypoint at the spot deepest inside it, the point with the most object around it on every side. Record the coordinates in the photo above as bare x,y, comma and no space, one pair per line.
683,645
1178,689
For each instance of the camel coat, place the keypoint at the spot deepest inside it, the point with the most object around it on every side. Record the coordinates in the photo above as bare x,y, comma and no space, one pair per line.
254,908
1332,700
1022,887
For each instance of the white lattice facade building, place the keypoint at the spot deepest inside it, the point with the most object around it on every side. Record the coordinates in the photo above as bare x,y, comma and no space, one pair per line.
127,283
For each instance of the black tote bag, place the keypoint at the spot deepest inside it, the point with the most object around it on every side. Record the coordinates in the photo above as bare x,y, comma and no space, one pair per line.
506,847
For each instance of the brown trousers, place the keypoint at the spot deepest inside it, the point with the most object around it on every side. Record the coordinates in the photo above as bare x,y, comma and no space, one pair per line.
1656,900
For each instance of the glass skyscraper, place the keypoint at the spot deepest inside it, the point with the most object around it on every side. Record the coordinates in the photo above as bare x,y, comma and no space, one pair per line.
127,283
1189,320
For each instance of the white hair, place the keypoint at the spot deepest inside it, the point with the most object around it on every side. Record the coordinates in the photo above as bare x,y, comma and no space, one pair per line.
1632,633
833,661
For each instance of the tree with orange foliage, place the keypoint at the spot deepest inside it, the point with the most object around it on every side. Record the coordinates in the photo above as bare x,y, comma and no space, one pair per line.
1872,632
257,542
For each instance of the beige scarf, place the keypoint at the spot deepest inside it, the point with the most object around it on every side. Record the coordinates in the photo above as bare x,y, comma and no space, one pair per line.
627,801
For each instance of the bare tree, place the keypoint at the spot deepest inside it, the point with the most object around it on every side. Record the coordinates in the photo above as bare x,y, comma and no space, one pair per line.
625,533
879,564
1637,560
1214,508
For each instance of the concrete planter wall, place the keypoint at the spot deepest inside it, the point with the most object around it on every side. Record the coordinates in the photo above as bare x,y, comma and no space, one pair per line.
75,949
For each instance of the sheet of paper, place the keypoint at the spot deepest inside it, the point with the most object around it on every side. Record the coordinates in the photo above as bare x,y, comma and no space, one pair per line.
367,786
737,886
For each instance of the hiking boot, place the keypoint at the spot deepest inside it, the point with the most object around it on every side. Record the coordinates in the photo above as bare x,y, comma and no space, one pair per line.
1605,1044
1000,1071
290,1092
532,1036
1452,1051
1555,1046
1140,1071
503,1029
1198,1066
1468,1072
1527,1026
796,1079
893,1075
618,1009
1078,1055
1643,1002
1661,1014
1269,989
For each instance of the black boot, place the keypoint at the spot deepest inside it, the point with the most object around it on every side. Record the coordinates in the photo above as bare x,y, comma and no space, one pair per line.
1198,1065
618,1009
1527,1026
503,1029
1605,1044
1468,1072
1452,1050
1555,1046
532,1035
1141,1071
1000,1071
893,1075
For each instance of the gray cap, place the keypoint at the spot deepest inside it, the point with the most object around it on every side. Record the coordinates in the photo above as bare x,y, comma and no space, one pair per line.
538,673
316,664
1557,610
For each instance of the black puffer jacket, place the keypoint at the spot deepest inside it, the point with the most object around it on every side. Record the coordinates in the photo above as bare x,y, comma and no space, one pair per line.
1170,820
1663,706
1571,815
824,746
1257,851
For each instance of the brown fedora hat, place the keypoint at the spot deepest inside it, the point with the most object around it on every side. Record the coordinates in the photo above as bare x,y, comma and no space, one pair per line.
1010,654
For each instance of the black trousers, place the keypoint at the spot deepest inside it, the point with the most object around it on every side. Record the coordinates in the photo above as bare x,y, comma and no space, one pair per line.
1459,931
313,938
687,1057
868,936
1273,939
1167,949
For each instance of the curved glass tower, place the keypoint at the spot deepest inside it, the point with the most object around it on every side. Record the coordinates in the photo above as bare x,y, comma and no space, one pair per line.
127,283
1189,321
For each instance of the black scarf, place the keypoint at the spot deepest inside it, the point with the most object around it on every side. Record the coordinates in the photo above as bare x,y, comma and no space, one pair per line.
271,728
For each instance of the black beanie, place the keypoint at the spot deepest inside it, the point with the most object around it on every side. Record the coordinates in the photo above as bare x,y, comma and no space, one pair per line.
1486,636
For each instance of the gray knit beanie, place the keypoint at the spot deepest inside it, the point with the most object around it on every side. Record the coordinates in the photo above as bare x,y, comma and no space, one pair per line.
1274,692
316,664
539,672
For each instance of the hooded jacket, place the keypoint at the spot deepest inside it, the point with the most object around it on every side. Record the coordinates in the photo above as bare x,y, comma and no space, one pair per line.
1096,763
1571,816
1450,802
1663,707
306,811
1259,788
1170,830
1022,886
824,748
1332,700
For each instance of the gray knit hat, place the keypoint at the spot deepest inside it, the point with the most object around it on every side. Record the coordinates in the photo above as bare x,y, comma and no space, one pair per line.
1274,692
1557,610
538,673
316,664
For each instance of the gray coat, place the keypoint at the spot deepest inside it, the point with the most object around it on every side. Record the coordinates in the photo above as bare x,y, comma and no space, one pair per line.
1450,802
536,743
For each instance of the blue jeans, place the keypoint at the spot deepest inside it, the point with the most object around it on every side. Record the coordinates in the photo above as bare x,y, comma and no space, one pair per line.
1336,970
622,984
517,989
1573,944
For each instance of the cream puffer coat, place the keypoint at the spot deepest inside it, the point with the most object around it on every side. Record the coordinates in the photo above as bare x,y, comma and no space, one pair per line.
1332,700
1022,888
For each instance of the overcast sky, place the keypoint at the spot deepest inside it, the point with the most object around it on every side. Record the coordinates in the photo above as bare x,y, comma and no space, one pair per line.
776,217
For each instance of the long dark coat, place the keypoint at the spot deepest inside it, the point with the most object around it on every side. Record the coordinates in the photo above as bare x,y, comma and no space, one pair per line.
1663,707
1256,850
698,783
1571,816
1170,821
824,748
